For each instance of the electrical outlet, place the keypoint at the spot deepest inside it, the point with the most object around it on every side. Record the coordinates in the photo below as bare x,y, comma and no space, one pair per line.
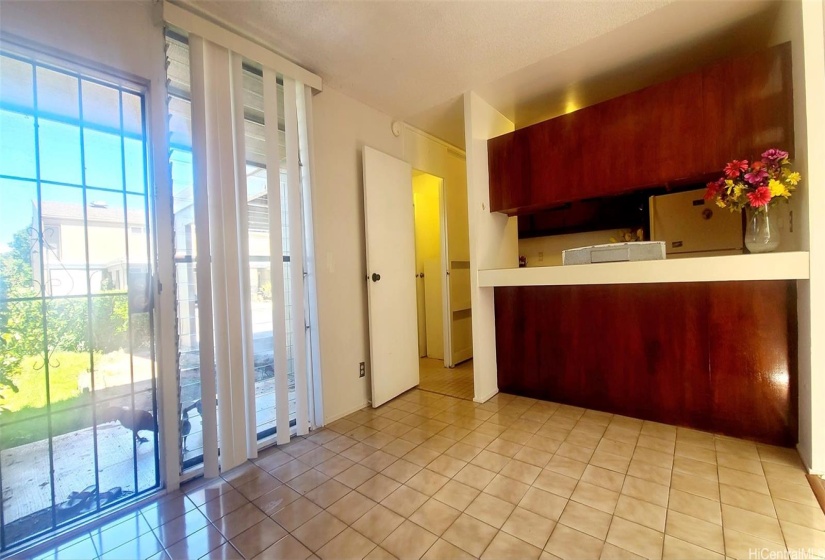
362,370
541,257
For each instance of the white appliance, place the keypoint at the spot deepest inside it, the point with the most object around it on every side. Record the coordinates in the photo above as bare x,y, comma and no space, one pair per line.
690,226
615,252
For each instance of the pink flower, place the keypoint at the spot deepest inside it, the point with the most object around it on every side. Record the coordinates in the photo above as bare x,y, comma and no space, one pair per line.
760,197
735,168
756,176
773,155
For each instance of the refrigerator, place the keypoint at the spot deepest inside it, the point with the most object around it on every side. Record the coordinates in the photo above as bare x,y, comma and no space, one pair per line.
690,226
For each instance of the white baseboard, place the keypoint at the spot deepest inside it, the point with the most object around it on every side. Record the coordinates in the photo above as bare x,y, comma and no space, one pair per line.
462,355
339,416
486,397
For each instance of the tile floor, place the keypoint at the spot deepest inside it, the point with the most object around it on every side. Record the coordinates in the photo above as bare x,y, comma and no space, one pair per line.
434,477
453,382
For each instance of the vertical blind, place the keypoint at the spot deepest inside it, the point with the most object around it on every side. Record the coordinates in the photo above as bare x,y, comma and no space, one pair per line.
220,171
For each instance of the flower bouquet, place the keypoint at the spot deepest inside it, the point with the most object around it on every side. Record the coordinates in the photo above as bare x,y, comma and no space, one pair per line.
755,185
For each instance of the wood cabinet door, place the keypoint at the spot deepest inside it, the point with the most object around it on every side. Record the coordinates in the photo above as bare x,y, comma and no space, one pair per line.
748,106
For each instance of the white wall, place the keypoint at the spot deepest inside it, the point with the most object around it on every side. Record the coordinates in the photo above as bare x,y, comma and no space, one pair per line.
493,238
342,127
121,38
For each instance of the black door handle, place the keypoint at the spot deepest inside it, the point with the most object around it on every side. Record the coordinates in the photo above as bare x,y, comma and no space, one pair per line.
376,277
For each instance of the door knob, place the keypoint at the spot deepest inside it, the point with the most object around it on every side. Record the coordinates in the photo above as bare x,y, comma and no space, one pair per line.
376,277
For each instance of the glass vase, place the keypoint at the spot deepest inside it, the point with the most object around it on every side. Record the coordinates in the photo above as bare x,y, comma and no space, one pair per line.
761,231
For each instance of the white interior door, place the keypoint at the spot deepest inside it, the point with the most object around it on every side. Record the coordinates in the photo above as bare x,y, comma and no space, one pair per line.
390,230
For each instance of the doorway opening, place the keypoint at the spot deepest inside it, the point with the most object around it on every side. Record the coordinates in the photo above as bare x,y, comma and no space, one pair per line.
442,284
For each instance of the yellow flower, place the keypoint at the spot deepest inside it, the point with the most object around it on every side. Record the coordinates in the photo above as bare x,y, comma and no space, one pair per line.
737,191
793,178
720,203
777,188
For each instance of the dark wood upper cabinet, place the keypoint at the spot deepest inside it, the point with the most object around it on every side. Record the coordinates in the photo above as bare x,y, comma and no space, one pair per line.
677,131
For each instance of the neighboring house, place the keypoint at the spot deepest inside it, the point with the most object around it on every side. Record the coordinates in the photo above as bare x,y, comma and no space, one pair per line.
65,247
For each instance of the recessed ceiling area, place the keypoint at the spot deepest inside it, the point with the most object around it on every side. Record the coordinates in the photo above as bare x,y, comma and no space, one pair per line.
413,60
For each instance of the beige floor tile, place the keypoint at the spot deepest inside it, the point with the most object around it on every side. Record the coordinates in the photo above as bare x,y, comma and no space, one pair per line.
807,516
409,541
557,483
649,472
355,476
240,520
655,458
427,482
456,494
507,489
619,448
196,545
576,452
656,444
567,467
401,470
603,478
287,547
276,499
533,456
529,526
779,456
752,523
348,545
489,509
616,432
798,537
743,547
613,552
318,531
595,496
586,519
443,550
335,466
423,456
435,516
181,527
776,472
741,479
490,461
317,456
546,444
225,552
295,514
745,499
745,449
695,531
478,439
506,547
569,544
610,461
454,432
794,493
543,503
399,447
446,466
641,512
637,539
351,507
475,476
646,490
463,452
307,481
677,549
585,435
521,471
378,461
470,534
358,452
696,437
738,463
693,467
695,506
378,523
404,501
258,538
378,487
505,447
227,502
694,485
695,452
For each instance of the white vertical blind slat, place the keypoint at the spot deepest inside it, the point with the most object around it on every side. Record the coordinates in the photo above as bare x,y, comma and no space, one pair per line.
246,385
209,420
296,255
276,248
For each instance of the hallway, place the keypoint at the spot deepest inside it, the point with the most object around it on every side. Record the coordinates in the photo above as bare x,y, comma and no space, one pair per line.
456,382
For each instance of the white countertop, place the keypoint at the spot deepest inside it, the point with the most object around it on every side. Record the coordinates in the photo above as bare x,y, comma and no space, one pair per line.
768,266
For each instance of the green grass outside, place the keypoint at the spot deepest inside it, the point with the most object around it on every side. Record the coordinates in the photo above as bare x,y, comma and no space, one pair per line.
29,403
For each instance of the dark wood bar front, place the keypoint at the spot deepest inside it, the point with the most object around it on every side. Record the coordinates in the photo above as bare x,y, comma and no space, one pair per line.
716,356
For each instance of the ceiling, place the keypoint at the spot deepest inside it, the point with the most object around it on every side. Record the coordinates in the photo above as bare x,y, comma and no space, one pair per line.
413,60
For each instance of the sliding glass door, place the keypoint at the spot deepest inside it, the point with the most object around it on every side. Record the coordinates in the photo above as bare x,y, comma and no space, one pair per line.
78,428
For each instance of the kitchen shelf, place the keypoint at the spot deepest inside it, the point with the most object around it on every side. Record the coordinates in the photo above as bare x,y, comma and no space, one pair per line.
770,266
